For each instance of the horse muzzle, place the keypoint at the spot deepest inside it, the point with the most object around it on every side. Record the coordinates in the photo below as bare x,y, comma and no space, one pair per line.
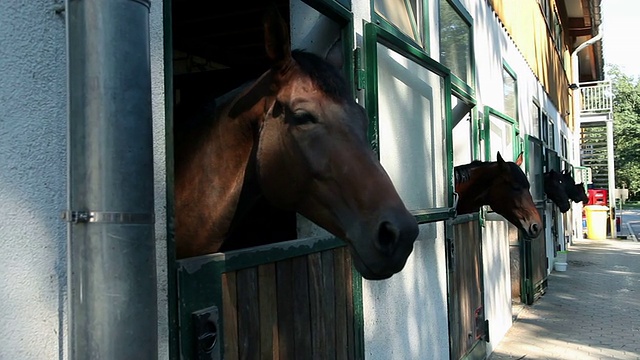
384,252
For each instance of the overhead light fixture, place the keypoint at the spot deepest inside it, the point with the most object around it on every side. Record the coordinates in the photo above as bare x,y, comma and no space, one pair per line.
573,86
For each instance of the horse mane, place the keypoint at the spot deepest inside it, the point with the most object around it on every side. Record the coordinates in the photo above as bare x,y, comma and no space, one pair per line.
325,75
462,173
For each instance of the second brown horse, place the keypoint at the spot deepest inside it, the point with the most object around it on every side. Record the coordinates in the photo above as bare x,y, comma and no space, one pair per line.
503,186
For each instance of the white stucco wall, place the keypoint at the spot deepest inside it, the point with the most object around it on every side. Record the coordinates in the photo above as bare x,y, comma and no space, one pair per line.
497,280
405,317
32,181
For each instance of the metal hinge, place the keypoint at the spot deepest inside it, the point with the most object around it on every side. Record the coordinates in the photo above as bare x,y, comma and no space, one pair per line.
360,75
113,217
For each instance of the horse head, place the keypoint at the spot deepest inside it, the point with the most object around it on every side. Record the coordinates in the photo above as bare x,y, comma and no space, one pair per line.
509,196
575,191
313,156
556,191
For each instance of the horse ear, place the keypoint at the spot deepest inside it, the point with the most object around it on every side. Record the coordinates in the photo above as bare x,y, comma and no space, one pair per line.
519,159
276,38
335,55
500,159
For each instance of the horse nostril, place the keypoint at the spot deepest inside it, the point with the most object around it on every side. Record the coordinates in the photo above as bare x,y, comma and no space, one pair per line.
535,228
388,235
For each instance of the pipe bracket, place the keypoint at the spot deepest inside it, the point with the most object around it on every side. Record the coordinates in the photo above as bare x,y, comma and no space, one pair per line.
107,217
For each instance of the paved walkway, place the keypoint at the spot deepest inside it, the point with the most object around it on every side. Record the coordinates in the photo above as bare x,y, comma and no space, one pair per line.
590,311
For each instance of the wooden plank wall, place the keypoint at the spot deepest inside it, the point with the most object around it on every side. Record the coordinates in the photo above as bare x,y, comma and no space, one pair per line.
298,308
524,22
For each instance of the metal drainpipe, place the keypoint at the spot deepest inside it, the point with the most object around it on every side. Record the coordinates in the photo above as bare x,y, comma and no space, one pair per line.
111,245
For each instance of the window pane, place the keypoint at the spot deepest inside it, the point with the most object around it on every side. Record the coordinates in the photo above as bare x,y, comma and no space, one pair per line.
534,171
501,138
455,43
552,133
397,13
462,132
412,130
535,123
545,127
510,100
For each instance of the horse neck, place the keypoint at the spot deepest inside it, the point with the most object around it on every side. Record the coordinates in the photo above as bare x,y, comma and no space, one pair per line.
474,192
216,173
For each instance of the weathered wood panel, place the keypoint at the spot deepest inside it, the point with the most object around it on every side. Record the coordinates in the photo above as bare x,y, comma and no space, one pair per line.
286,316
229,305
298,308
302,318
269,346
248,314
341,345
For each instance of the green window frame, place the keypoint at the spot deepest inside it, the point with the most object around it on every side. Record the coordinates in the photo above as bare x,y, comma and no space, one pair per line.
375,35
518,143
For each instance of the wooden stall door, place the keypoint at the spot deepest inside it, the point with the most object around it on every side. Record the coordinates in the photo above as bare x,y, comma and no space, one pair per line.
535,264
467,326
292,300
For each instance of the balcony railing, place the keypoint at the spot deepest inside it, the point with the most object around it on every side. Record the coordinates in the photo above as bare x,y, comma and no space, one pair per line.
597,97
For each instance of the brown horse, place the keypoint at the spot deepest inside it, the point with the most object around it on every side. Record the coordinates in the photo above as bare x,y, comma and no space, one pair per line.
575,191
554,187
501,185
297,138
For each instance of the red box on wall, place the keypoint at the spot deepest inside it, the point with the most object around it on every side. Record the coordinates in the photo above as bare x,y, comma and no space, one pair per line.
598,197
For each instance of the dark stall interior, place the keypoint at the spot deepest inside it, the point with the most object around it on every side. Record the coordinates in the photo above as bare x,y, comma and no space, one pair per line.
216,49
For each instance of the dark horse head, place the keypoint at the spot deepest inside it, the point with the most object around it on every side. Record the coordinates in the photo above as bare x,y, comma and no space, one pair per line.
575,191
297,136
554,187
501,185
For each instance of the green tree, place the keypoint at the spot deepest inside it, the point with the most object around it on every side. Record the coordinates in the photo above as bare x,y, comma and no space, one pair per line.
626,133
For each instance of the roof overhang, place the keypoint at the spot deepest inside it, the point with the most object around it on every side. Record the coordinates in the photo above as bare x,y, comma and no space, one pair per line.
583,22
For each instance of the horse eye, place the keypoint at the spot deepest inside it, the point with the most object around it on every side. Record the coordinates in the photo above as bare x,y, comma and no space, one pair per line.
302,117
